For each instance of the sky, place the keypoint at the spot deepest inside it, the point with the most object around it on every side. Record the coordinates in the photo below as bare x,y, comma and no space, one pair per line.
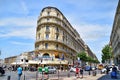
93,19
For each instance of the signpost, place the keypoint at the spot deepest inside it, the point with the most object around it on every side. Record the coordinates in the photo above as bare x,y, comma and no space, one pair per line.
79,61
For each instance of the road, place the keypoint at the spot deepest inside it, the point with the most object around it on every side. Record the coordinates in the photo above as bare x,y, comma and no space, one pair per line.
28,75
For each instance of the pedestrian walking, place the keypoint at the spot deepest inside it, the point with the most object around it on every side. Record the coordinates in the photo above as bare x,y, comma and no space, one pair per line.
77,72
81,72
107,69
114,72
19,71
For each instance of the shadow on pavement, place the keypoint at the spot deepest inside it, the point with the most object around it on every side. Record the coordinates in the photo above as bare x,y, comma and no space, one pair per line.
2,75
108,77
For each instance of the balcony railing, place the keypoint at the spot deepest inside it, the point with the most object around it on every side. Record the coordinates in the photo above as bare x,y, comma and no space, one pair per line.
60,41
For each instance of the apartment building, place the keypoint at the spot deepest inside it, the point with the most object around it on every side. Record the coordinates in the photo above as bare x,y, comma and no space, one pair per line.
115,36
56,39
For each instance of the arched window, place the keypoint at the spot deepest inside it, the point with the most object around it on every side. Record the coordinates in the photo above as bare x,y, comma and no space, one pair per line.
46,55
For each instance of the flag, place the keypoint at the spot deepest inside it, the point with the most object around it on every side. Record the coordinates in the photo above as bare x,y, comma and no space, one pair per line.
62,57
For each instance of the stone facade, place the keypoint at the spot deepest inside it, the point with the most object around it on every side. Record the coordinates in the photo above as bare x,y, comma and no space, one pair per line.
55,37
115,36
11,59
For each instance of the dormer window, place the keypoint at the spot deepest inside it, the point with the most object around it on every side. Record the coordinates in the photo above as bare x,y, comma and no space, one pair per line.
48,13
57,14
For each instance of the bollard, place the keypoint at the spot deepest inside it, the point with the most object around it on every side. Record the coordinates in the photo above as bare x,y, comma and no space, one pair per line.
42,76
8,78
58,74
101,71
37,75
89,72
68,74
48,75
94,73
24,77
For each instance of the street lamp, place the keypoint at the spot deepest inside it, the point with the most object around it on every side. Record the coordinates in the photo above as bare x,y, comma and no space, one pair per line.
60,69
68,70
60,65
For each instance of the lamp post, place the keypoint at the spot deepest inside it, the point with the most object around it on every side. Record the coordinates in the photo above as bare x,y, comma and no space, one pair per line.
25,60
68,70
24,67
60,69
60,65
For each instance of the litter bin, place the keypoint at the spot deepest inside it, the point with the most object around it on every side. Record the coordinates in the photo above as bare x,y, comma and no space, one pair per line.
94,72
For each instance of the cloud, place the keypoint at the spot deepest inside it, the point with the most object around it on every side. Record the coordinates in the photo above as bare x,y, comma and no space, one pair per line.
91,32
18,27
21,43
19,21
24,7
14,7
23,33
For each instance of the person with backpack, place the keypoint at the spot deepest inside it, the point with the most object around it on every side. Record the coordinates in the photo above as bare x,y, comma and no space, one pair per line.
114,72
19,71
77,72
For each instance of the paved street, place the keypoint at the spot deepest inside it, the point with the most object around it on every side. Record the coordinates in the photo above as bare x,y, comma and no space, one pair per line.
62,76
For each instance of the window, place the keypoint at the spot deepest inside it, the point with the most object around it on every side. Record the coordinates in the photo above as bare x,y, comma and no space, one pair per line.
63,47
47,36
63,38
47,28
48,13
48,19
46,55
46,45
57,36
57,14
39,36
56,46
63,33
57,29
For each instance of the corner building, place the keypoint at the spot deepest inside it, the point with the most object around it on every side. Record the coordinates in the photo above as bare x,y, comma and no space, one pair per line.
56,39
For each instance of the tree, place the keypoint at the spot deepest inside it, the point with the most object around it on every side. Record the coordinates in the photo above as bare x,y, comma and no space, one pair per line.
89,59
106,53
82,55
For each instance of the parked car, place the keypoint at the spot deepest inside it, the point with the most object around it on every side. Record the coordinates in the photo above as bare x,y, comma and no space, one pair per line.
100,66
110,69
87,68
103,70
52,69
2,71
72,69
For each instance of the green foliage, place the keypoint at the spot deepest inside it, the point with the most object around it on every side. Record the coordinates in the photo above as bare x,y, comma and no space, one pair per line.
106,53
82,56
96,61
89,59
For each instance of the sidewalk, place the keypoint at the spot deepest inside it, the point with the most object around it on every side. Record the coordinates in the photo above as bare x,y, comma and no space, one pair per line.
87,77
